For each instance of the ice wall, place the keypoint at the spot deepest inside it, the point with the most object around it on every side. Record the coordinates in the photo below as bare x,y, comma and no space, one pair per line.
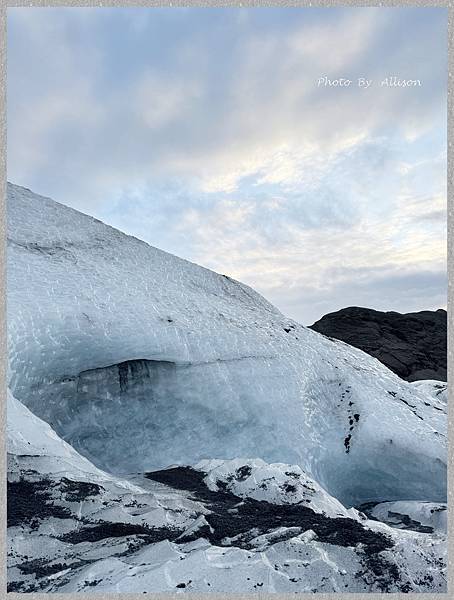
213,370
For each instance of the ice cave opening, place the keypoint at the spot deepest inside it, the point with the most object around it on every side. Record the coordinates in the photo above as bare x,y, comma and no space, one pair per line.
141,415
86,411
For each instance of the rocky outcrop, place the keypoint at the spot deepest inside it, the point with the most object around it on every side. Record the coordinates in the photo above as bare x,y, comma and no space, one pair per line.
412,345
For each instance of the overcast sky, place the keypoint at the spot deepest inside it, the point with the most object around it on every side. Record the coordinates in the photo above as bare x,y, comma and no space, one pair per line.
204,133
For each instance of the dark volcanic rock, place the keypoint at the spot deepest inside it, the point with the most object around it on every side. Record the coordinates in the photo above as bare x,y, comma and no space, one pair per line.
232,519
413,345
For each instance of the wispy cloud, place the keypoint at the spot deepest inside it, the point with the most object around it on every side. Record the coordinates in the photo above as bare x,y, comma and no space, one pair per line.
204,132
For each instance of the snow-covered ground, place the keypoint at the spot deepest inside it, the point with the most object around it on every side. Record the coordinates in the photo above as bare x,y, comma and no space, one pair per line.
140,360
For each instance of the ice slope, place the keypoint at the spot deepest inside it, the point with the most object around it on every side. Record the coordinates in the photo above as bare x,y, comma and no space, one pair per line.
277,483
422,516
140,359
83,531
434,388
29,436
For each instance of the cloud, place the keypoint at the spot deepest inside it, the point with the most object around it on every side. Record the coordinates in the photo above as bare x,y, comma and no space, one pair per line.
204,132
399,291
248,90
160,101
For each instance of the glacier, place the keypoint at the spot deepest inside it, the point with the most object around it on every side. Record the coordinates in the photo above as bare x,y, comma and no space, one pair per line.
126,361
74,528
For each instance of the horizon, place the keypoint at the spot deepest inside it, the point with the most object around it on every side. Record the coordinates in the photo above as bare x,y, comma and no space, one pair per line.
218,272
203,132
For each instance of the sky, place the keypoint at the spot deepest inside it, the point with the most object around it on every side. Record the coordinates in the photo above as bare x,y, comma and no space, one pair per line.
206,133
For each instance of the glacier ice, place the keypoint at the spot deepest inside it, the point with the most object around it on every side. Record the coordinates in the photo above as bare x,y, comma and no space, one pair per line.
124,359
88,531
139,359
419,516
277,483
432,387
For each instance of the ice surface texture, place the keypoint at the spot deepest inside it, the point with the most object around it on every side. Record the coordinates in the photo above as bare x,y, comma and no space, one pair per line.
140,359
221,526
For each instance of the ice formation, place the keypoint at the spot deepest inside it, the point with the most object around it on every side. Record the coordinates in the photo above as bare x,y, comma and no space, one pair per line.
124,360
73,528
112,340
434,388
418,516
